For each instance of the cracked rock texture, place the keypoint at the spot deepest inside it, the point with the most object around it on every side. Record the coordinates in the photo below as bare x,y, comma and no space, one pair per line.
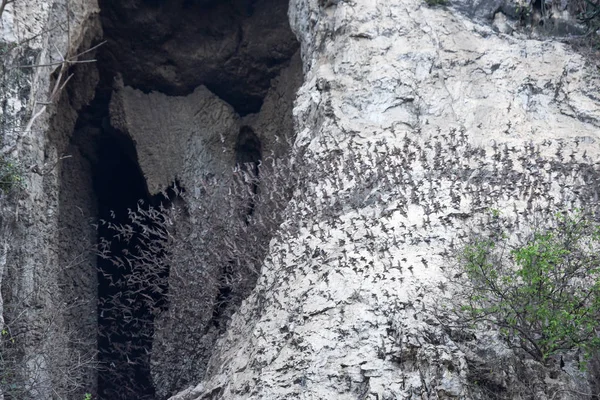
48,288
166,132
415,121
411,123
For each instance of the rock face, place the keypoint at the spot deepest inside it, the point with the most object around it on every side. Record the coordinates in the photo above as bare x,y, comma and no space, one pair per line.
48,281
411,123
164,130
95,137
418,121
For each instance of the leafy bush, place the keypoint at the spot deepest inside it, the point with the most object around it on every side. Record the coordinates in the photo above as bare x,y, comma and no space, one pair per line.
541,291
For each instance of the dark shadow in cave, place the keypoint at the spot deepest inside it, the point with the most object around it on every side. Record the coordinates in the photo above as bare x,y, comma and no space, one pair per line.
233,47
248,149
126,303
248,156
125,320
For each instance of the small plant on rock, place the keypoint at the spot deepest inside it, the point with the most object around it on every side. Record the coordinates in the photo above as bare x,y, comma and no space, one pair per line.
11,174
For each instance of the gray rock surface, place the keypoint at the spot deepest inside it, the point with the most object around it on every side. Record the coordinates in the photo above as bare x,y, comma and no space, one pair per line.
47,288
412,121
404,108
177,138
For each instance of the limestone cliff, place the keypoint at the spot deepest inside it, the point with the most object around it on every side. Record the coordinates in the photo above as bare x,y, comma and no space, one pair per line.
405,122
407,110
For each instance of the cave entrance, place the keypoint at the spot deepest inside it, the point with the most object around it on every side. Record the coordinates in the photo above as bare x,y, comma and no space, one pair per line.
244,53
233,47
125,318
130,288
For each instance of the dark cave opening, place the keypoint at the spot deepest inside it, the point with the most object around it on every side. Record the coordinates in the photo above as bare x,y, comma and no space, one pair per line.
235,48
128,299
125,315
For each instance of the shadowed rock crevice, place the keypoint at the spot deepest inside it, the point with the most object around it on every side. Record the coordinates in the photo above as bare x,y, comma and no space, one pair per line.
248,157
248,147
125,317
186,91
233,47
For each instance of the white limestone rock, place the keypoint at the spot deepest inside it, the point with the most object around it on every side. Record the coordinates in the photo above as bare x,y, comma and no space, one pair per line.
177,138
460,119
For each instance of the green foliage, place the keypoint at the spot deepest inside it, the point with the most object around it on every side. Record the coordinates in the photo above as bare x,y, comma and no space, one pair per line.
543,293
6,47
87,396
11,174
523,12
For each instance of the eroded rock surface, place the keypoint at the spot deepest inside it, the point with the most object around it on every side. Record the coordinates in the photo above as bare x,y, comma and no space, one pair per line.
196,132
417,121
48,288
411,123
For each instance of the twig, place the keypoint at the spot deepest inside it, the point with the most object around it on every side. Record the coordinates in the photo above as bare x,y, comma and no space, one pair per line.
52,64
65,64
45,169
59,86
90,49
